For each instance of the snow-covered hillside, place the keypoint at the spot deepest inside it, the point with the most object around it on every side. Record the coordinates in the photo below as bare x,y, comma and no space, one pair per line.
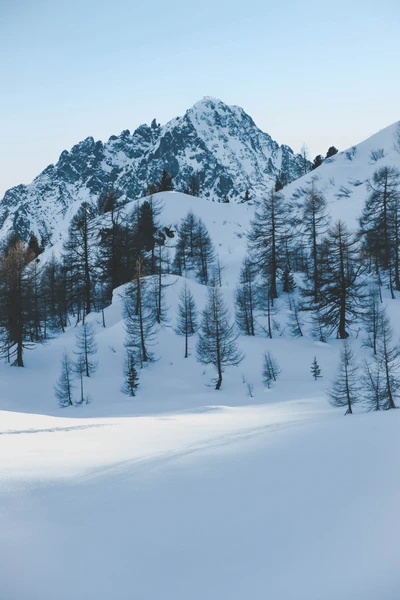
343,177
185,492
220,145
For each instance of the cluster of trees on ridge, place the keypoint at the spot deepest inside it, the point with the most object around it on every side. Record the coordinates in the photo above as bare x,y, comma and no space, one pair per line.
339,275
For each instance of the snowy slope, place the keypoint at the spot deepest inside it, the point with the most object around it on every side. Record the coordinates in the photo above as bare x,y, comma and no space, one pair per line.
343,178
219,144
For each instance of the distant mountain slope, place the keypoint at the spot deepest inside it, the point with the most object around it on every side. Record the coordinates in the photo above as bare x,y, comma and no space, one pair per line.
219,144
343,178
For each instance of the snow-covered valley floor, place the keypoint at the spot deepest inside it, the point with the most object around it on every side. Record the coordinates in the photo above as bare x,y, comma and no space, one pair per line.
285,501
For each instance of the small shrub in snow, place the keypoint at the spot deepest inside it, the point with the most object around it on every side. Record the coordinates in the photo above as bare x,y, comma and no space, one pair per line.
271,370
377,154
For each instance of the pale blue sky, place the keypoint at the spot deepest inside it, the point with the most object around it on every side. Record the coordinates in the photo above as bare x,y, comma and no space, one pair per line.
316,72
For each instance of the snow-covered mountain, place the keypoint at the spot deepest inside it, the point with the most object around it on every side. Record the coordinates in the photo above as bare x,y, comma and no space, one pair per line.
219,144
244,492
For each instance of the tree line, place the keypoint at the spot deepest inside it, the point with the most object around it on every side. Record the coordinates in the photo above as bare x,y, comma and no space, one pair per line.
292,244
340,276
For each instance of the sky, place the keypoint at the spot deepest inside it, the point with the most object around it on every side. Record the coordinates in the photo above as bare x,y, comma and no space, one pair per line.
323,73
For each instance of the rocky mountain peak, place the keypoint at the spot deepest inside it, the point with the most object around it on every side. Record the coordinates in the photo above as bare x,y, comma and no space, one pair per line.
219,144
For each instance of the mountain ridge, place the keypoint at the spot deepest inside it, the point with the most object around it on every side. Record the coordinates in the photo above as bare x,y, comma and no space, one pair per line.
219,144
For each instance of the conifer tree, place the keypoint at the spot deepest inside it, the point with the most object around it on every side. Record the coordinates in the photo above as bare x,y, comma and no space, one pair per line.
217,338
305,158
345,390
15,301
380,223
166,184
139,317
79,368
112,247
372,315
315,369
331,151
219,268
146,226
187,316
194,249
185,244
295,321
246,298
64,386
86,347
34,247
204,253
314,223
265,301
317,162
194,186
247,196
372,385
54,295
80,260
268,239
288,282
318,330
388,358
131,377
341,294
35,301
271,370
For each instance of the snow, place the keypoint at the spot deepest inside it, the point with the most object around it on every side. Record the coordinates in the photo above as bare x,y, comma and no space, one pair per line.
341,172
280,502
186,493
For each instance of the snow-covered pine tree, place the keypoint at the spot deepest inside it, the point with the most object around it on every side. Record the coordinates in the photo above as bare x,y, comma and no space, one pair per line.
271,369
315,369
217,338
63,389
345,389
131,377
187,316
86,347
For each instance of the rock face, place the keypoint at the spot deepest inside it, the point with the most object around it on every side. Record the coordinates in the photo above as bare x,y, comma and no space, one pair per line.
219,144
